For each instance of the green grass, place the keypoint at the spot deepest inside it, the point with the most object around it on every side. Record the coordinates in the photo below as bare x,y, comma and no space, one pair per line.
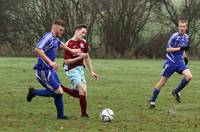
125,87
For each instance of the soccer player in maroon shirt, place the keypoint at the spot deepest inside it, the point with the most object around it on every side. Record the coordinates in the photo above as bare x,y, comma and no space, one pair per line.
74,67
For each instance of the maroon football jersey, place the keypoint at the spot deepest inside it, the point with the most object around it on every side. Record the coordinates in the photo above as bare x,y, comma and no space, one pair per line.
83,45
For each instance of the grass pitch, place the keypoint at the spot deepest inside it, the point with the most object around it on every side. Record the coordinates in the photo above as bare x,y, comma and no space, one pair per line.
125,87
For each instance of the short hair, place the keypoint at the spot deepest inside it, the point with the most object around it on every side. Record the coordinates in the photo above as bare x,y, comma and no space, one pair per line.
59,22
80,26
182,20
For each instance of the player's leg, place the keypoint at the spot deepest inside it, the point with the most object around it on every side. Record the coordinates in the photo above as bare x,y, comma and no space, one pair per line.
72,75
55,83
187,78
58,100
53,89
71,92
47,92
80,93
82,88
156,90
168,69
79,88
79,83
83,99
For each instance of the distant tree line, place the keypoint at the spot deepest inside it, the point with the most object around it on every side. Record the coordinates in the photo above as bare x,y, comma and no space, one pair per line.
116,28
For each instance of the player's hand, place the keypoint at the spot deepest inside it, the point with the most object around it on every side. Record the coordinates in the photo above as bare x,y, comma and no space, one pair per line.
80,55
54,65
184,47
83,55
186,60
95,76
76,52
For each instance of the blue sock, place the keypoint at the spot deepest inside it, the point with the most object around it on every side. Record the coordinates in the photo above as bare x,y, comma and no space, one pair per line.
59,106
155,94
181,85
44,92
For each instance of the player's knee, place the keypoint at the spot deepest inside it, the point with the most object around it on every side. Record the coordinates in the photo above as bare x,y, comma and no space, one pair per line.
85,92
189,78
82,91
59,91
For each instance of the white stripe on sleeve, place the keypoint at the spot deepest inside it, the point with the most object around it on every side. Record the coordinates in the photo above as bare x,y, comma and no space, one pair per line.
170,40
44,41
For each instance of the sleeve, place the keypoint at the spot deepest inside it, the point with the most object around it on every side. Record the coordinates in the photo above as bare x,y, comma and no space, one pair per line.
172,41
43,41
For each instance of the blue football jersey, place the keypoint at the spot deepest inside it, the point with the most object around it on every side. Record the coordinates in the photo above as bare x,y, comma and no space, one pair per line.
175,41
49,44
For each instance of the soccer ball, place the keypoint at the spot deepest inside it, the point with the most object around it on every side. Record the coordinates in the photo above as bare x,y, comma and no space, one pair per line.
107,115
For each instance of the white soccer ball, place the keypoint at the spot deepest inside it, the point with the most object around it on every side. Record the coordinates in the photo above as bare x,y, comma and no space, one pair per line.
107,115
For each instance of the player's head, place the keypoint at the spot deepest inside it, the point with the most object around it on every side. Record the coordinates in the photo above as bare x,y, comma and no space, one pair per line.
80,31
182,26
58,27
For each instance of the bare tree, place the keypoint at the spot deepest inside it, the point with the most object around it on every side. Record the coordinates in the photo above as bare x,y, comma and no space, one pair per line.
82,11
121,22
4,10
30,19
118,27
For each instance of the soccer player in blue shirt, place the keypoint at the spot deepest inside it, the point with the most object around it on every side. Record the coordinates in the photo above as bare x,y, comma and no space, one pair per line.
176,61
46,51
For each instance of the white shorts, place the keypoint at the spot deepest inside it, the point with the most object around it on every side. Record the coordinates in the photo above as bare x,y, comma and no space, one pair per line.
76,76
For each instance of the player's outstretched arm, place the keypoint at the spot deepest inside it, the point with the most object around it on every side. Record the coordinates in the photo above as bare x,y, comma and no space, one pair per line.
39,52
74,60
90,67
173,49
72,51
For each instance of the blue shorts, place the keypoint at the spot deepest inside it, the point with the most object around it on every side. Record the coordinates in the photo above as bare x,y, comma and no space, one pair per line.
169,68
76,76
48,79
